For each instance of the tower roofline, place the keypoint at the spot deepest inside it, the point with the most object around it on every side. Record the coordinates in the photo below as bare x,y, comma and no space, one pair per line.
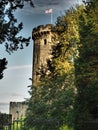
41,29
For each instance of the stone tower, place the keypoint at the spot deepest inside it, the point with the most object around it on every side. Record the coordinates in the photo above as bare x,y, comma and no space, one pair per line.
17,110
43,40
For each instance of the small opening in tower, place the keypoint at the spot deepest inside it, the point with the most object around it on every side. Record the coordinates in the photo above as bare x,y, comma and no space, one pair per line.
45,41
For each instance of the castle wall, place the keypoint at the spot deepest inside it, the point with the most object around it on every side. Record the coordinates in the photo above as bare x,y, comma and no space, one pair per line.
17,110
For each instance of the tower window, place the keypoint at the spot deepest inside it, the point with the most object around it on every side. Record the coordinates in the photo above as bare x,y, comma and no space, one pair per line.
45,41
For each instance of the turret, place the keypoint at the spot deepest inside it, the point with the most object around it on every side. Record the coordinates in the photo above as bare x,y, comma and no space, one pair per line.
43,41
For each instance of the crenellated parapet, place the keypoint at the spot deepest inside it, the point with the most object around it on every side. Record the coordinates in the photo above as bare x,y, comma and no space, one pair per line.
41,30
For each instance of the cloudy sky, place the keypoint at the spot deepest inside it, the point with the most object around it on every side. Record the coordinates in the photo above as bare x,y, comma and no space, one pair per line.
13,87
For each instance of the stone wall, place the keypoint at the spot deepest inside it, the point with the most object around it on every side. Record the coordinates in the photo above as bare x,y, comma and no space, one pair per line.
43,40
17,110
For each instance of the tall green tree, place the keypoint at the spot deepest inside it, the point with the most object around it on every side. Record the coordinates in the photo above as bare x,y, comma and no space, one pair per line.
51,102
51,105
86,67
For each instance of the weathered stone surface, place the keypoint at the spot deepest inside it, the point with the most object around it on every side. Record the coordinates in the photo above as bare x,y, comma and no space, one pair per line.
17,110
43,38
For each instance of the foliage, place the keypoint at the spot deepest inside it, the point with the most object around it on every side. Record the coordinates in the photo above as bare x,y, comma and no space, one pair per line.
87,66
5,119
51,102
3,64
72,74
66,50
9,28
65,128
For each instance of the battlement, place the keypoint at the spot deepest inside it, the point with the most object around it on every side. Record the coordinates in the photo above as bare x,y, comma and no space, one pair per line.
41,30
17,103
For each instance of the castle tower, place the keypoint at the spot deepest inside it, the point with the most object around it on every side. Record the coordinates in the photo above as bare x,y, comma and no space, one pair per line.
17,110
43,41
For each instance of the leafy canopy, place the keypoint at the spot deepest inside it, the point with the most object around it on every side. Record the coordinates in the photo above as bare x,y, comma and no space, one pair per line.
9,29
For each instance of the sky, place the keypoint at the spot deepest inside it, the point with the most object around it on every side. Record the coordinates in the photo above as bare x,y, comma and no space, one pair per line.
13,87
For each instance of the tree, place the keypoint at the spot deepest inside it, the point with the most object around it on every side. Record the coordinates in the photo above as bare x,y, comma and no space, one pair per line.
52,99
3,64
51,104
9,30
5,119
86,67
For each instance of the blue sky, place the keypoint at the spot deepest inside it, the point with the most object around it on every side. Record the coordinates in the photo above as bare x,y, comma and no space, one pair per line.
13,87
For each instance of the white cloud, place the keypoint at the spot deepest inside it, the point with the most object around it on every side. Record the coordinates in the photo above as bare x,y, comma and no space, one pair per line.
3,104
20,67
4,108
